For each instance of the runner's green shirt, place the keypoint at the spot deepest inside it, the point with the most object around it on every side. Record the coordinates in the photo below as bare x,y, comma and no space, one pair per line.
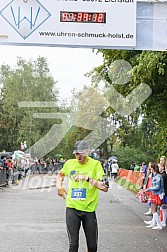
82,195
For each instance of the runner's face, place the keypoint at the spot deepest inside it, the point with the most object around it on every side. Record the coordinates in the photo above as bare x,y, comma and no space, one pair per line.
81,159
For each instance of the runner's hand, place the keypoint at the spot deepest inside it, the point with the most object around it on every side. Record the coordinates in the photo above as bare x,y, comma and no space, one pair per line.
62,192
80,177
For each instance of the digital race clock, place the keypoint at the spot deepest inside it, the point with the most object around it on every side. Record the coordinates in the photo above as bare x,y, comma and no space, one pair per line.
83,17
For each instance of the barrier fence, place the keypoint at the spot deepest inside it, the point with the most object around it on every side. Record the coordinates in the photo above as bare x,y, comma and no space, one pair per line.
132,176
12,176
9,176
3,177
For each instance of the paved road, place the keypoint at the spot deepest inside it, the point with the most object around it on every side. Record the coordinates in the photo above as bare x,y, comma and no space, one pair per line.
32,218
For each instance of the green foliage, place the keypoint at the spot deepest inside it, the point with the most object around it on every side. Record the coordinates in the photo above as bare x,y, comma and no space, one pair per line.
150,68
161,143
65,147
140,136
29,81
127,155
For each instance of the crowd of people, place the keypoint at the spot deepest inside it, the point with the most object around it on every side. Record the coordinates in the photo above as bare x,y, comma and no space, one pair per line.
138,167
27,165
155,186
111,168
16,169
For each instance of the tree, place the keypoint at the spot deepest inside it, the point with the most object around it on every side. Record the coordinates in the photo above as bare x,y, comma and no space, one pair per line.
29,81
149,68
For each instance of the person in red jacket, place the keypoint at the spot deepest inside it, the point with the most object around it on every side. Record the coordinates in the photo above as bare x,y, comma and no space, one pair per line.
147,182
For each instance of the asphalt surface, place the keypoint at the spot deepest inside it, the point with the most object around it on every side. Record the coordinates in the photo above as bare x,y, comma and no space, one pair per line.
32,218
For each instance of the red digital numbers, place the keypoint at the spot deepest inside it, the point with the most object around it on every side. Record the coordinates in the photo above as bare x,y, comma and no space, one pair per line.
83,17
100,18
79,17
64,17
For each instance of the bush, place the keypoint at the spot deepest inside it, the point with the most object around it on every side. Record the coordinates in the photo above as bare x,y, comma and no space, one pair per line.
127,155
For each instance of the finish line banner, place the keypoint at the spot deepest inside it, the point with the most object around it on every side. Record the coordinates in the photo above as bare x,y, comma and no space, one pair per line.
92,23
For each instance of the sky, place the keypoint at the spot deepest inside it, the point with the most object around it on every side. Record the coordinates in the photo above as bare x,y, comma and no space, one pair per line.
67,65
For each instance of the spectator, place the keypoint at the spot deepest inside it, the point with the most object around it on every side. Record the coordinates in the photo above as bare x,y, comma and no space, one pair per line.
132,166
109,172
143,169
10,170
147,182
39,166
163,162
164,203
114,168
137,167
105,166
156,190
1,164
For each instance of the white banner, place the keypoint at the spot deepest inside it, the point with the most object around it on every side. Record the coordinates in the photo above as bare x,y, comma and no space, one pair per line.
160,26
104,23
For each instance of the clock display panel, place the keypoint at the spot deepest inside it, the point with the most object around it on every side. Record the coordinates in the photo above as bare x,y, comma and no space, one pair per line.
83,17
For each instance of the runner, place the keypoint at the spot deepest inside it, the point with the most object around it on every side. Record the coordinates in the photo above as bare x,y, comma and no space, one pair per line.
85,177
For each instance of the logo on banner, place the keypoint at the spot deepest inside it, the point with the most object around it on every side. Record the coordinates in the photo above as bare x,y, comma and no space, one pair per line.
25,16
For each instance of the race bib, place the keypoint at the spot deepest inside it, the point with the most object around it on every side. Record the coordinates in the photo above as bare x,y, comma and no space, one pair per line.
78,194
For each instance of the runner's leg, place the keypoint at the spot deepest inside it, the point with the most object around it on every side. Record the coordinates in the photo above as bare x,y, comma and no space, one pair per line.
73,223
89,223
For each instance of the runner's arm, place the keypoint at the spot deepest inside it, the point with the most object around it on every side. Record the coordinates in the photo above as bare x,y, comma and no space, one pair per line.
61,191
98,184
